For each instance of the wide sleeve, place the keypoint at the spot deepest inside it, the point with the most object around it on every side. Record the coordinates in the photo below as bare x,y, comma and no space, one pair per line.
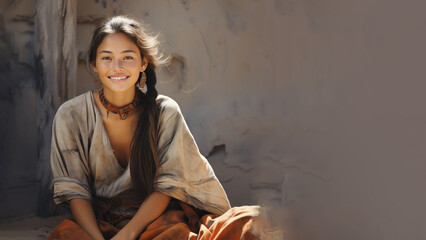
184,172
69,164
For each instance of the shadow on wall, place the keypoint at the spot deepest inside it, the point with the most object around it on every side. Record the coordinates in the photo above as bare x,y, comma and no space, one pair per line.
18,148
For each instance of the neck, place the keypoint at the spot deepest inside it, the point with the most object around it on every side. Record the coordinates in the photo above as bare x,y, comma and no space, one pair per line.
119,99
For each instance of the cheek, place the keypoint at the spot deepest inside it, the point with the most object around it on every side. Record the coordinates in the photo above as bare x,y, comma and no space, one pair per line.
132,64
103,66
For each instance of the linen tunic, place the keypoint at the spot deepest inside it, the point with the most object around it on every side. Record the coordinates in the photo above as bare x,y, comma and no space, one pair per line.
84,165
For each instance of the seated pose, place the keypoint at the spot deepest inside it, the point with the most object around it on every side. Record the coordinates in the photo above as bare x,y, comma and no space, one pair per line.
124,159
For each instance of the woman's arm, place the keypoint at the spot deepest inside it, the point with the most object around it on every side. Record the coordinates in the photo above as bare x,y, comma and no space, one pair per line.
150,209
83,214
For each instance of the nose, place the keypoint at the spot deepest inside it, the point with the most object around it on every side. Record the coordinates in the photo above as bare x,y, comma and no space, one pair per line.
117,67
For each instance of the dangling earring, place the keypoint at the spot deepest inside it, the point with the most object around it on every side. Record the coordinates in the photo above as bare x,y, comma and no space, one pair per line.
141,84
98,82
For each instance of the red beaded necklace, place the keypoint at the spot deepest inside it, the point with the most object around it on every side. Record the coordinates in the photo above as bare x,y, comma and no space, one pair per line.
121,111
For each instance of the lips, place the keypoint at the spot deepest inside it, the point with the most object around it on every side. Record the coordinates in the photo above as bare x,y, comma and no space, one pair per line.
118,78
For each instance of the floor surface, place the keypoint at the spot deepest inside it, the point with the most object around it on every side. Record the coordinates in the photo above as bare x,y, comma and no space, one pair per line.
28,228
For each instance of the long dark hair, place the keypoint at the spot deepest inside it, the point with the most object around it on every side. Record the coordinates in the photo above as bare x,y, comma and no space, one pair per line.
143,148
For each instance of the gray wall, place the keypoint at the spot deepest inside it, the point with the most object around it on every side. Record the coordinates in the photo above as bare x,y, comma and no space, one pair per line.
18,131
313,108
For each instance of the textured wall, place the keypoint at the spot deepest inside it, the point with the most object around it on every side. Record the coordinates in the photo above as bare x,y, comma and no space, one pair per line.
315,108
18,131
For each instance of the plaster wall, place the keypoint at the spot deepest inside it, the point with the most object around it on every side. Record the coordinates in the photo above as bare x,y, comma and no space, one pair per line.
18,131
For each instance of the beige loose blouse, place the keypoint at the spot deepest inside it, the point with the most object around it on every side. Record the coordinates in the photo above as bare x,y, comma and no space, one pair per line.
84,165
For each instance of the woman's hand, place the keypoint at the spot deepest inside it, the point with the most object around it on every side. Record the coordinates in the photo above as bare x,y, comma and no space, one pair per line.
124,234
150,209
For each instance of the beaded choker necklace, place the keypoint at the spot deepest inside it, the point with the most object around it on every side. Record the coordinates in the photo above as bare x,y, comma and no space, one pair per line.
121,111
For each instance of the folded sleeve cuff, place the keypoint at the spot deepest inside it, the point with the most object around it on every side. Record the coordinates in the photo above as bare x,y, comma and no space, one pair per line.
66,188
207,195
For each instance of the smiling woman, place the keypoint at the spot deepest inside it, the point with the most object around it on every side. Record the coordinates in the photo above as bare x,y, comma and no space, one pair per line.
136,173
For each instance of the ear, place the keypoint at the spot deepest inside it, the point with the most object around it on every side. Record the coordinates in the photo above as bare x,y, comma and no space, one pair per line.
93,66
144,64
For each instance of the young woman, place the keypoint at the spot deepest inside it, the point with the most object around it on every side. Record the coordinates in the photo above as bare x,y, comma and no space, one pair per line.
123,156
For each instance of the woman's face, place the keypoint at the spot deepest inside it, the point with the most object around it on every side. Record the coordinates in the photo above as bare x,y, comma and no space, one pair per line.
118,63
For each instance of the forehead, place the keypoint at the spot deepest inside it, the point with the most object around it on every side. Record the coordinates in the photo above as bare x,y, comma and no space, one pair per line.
117,43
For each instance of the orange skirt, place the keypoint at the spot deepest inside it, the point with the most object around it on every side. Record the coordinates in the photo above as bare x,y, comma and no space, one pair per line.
182,222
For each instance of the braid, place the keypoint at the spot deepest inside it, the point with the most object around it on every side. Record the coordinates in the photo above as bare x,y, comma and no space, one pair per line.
151,77
144,157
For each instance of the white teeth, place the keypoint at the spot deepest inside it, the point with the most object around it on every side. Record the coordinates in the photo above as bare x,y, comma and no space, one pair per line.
117,78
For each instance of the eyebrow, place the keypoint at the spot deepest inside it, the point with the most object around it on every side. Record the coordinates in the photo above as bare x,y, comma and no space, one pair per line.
125,51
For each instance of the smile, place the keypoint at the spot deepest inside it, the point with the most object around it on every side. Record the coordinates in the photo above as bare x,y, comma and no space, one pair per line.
118,79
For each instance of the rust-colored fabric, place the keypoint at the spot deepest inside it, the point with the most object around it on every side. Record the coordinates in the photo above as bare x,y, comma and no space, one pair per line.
183,222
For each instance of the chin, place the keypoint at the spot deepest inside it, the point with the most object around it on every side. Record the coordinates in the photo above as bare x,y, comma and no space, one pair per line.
120,88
